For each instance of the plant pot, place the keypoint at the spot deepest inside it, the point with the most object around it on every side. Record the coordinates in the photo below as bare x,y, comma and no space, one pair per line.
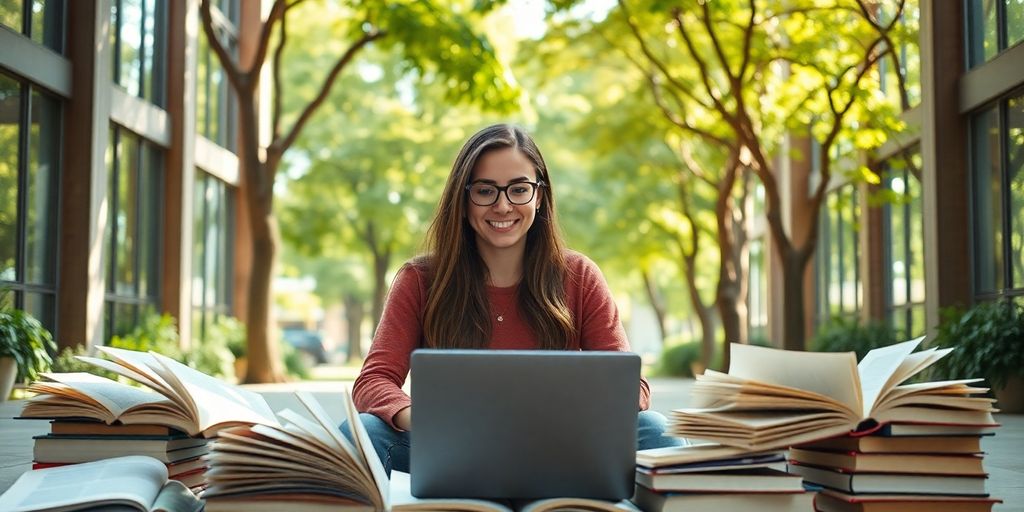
241,365
8,372
1010,397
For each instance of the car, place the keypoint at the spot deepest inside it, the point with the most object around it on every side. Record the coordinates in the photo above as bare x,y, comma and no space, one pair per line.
309,345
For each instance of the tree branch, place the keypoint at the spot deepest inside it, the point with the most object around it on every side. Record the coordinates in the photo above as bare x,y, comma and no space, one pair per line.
275,116
281,145
704,73
748,36
276,12
715,44
231,68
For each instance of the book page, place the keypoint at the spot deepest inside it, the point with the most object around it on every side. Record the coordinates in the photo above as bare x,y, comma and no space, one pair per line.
113,396
877,369
831,374
576,504
402,500
217,402
133,365
175,497
133,481
365,445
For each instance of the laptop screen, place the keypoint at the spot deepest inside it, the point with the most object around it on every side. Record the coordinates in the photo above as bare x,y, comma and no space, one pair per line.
523,424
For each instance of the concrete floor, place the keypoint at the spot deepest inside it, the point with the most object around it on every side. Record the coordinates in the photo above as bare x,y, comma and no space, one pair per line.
1004,459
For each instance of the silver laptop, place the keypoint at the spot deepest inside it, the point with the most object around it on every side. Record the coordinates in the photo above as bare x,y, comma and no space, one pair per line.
523,424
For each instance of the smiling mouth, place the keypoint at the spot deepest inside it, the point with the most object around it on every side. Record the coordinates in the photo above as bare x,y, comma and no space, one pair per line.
503,224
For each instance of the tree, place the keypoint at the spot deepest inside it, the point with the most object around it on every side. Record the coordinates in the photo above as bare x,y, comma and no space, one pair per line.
433,41
766,72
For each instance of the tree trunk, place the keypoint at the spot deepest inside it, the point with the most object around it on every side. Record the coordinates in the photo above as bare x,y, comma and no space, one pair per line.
793,316
657,303
264,355
730,293
707,322
381,260
354,313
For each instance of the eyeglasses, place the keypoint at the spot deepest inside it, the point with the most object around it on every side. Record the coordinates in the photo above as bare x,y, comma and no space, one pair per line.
518,193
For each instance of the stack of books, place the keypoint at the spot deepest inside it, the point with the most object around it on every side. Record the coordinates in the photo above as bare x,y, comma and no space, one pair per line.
79,441
172,417
775,399
712,477
905,472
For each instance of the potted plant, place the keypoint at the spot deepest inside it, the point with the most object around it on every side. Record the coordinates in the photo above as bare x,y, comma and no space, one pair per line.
989,341
25,347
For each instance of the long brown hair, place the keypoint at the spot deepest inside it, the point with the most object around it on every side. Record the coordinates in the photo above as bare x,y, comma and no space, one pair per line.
458,313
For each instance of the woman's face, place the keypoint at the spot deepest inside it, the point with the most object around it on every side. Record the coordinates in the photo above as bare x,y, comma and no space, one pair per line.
503,225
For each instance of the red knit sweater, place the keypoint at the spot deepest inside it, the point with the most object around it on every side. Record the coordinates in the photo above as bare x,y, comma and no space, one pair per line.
378,389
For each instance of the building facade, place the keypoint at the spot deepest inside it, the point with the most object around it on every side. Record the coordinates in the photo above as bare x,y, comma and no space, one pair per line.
118,177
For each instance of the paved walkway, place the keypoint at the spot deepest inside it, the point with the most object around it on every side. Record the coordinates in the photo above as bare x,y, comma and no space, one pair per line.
1004,458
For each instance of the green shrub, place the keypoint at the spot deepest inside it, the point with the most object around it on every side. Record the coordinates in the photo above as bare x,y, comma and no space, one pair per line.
230,332
155,332
842,335
989,342
25,340
66,362
676,359
294,366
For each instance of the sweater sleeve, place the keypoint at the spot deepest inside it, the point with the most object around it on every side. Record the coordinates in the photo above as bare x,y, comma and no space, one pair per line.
599,324
378,389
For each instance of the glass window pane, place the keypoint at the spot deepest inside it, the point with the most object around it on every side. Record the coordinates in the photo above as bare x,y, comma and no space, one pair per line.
1015,143
10,117
153,50
198,238
10,14
127,216
48,23
1014,22
150,178
130,32
988,209
915,247
43,307
43,172
982,31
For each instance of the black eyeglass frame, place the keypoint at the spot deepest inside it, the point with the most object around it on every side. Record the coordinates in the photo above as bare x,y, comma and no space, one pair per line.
535,185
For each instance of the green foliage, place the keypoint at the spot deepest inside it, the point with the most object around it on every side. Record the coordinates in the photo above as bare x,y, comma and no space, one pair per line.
159,333
988,340
843,335
155,332
228,331
293,363
25,340
67,362
676,360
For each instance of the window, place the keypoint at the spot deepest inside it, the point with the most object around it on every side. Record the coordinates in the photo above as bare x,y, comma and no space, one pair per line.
215,100
903,235
992,27
757,295
213,232
838,273
138,38
30,148
40,20
997,175
131,249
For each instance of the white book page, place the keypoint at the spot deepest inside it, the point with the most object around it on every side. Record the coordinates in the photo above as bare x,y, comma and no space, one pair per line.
878,367
125,480
831,374
364,445
217,402
137,366
402,500
114,396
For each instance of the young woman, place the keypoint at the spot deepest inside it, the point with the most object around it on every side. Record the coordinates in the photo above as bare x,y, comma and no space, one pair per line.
494,255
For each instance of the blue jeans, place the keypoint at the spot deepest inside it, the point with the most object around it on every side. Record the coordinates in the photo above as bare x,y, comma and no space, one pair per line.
392,446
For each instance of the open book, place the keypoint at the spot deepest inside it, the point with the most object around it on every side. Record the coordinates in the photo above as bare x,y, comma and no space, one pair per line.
134,482
181,397
775,398
305,463
300,464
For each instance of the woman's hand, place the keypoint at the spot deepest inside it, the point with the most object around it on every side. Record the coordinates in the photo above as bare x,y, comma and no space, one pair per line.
403,419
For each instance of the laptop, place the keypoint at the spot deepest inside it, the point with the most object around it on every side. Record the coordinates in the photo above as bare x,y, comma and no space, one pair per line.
509,424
